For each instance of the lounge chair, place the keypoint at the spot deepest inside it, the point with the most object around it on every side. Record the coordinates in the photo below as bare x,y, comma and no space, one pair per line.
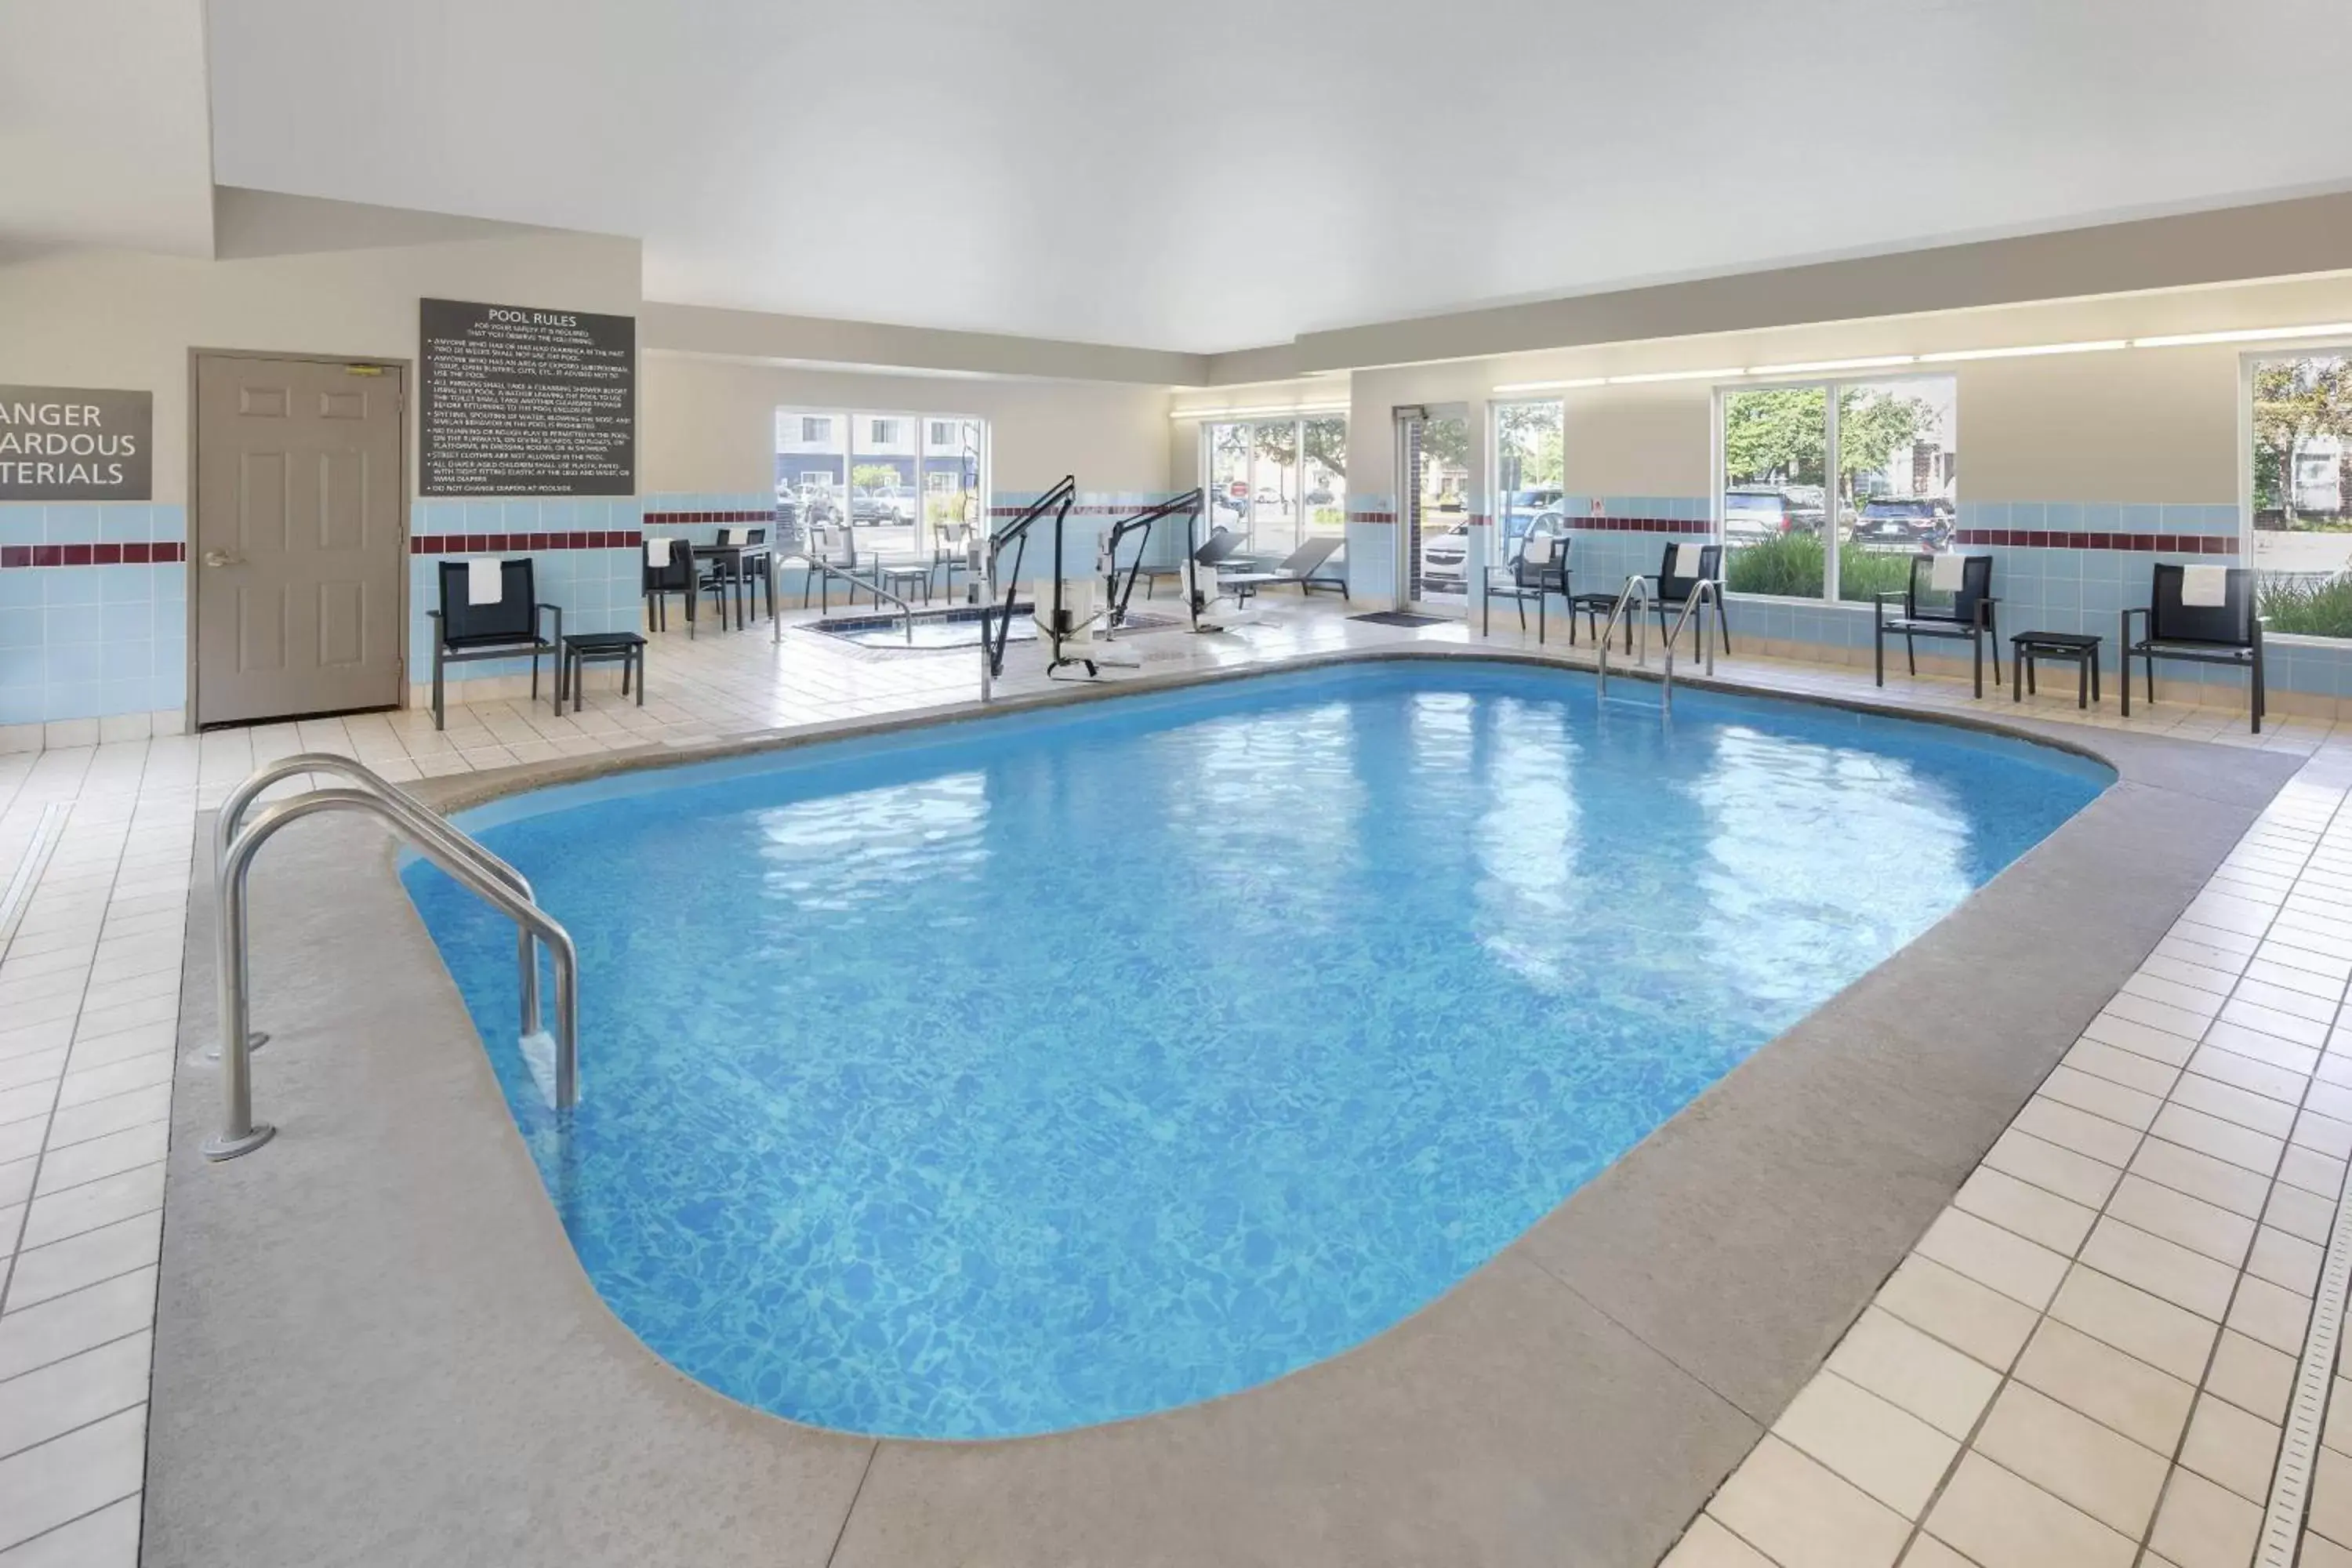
1222,545
1295,568
2208,618
1947,596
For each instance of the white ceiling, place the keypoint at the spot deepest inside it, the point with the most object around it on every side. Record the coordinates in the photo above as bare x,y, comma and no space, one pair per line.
1212,175
102,131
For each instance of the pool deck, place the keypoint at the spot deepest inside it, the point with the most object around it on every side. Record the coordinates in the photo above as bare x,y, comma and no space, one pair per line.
372,1342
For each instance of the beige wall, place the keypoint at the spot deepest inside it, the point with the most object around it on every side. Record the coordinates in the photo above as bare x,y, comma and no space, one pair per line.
109,319
709,425
2135,425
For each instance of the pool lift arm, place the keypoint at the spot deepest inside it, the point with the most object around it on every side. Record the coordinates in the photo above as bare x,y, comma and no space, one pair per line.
1118,593
996,624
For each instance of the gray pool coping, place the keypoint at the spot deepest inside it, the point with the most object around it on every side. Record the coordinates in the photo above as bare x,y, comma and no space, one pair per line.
375,1344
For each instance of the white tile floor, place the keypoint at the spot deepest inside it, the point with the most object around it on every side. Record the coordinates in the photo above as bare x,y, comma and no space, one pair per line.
2089,1349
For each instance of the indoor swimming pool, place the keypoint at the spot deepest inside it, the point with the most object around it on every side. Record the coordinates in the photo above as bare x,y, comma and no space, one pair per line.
1005,1077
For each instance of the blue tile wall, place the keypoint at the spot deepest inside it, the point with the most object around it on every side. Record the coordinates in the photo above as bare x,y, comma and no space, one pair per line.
86,642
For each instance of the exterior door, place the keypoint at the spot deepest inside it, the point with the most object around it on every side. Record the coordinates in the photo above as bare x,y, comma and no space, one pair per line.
299,549
1434,544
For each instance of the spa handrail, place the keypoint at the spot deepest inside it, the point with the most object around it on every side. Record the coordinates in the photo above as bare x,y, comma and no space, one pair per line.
1704,592
420,819
873,585
239,1133
1635,588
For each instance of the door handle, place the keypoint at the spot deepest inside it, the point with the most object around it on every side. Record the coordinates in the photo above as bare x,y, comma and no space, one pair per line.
222,558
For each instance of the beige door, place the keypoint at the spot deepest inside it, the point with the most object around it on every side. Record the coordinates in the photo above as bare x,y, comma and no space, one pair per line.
298,548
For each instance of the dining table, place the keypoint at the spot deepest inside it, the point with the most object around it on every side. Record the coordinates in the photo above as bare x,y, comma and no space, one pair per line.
733,563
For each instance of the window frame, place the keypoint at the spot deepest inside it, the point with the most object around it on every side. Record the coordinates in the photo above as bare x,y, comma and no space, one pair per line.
1833,390
982,449
1302,528
2247,360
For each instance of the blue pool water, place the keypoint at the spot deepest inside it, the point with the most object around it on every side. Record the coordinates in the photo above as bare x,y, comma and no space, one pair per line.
1010,1077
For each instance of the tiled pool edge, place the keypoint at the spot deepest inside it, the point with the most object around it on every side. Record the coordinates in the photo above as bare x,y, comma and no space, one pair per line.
956,1493
2088,1357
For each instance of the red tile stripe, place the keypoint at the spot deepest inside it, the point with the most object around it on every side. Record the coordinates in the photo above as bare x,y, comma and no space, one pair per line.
483,543
2149,543
675,519
1639,525
145,554
1371,517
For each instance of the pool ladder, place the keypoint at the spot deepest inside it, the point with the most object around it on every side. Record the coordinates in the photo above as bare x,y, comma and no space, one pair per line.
236,842
1704,592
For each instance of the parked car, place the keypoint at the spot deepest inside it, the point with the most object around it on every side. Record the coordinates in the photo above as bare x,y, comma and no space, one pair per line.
1903,525
1319,496
881,506
1530,510
1444,557
1753,516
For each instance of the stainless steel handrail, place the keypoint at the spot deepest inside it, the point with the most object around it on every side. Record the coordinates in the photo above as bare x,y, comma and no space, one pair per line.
872,586
239,1133
1703,592
420,818
1635,588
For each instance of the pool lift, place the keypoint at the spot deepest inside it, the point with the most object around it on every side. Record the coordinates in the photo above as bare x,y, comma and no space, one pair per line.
1062,623
1119,591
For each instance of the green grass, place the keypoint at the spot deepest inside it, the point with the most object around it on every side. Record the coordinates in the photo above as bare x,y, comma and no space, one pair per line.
2309,609
1790,567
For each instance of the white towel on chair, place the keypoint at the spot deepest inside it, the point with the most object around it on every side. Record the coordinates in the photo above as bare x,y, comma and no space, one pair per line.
1539,550
1948,574
1689,559
658,550
2204,587
486,580
730,536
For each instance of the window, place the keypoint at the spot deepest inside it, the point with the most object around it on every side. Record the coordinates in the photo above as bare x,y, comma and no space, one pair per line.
1279,481
896,479
2298,515
1872,464
1529,444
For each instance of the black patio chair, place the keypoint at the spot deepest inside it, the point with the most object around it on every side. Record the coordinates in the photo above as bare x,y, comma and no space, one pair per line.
506,627
675,574
1538,569
2228,633
1964,613
1673,589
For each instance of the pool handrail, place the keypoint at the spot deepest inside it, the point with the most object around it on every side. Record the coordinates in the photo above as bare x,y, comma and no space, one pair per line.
432,836
420,818
871,584
1636,587
1703,592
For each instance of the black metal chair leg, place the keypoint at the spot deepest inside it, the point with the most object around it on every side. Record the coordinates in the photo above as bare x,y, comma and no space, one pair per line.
1911,653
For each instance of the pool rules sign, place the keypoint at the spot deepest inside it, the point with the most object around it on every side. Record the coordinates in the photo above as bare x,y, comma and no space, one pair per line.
71,443
524,402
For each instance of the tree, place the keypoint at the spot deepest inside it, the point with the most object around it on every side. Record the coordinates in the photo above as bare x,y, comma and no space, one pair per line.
872,476
1777,435
2298,403
1528,439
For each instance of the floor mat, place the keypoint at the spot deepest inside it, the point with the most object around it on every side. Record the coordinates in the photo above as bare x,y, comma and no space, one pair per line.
1401,618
